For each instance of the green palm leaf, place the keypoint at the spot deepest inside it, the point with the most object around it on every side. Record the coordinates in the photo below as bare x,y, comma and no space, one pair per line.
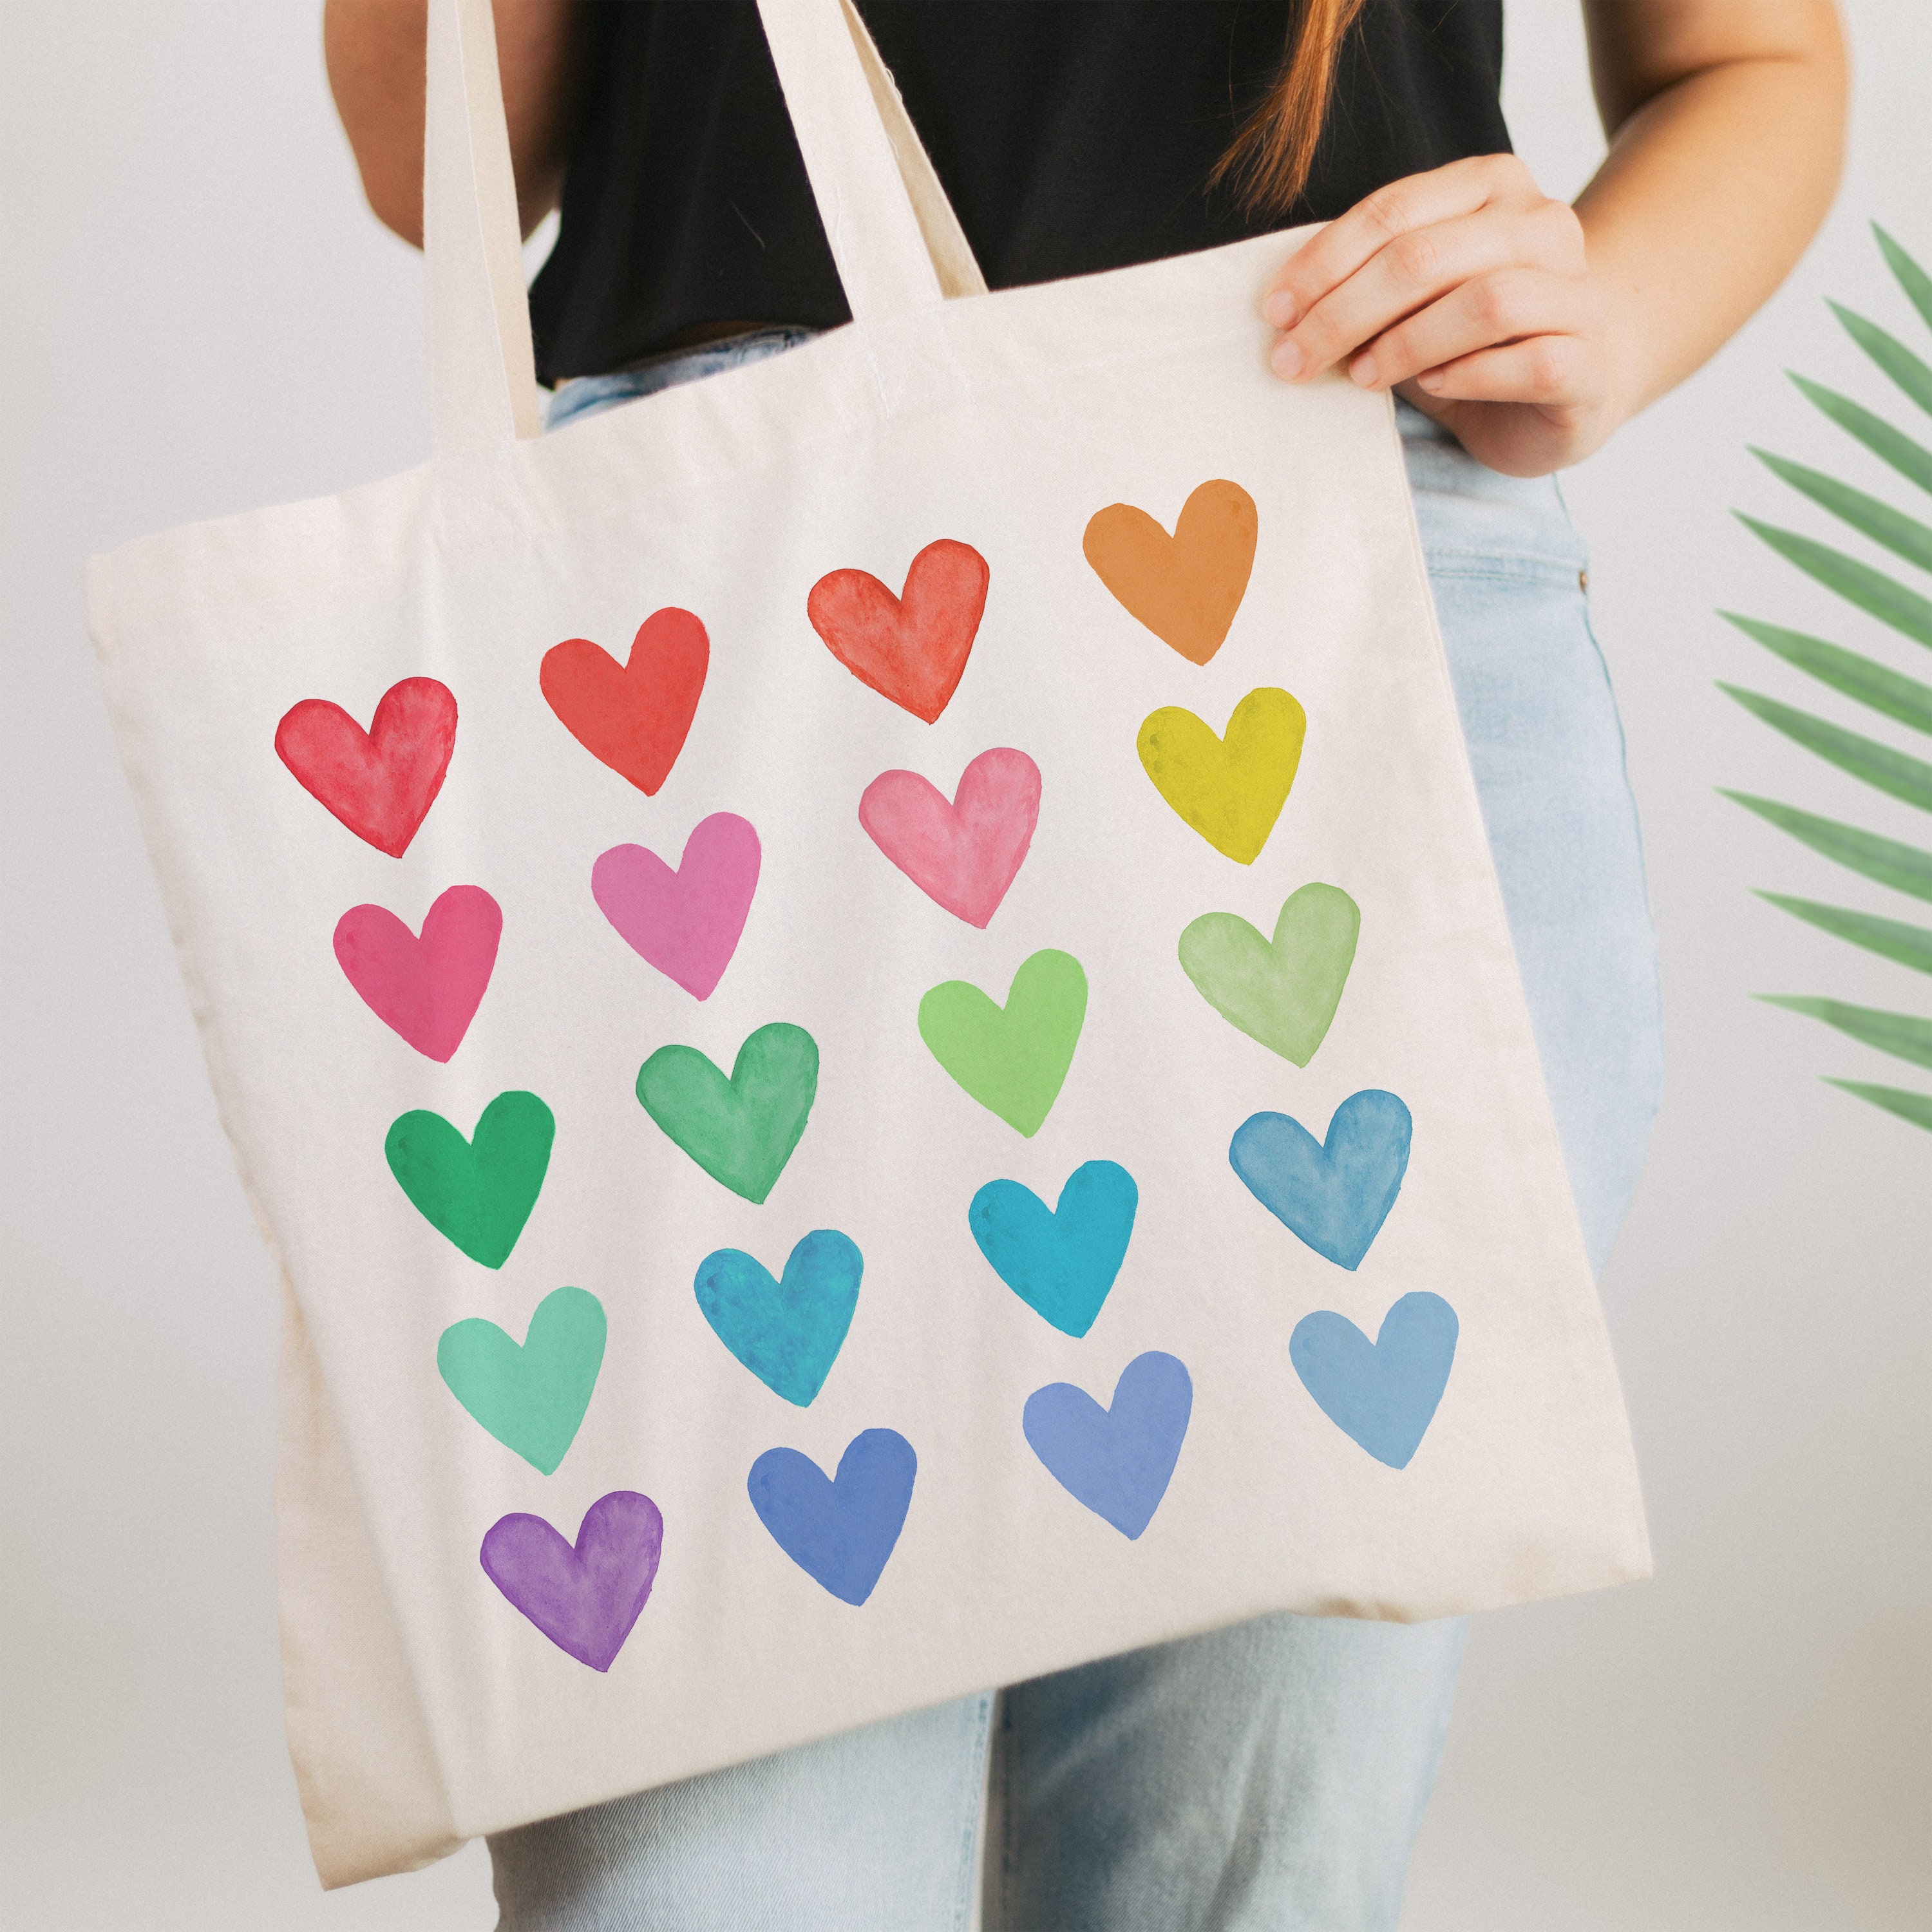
1904,777
1912,278
1910,945
1913,460
1902,698
1916,1108
1891,355
1906,535
1900,1033
1904,868
1885,597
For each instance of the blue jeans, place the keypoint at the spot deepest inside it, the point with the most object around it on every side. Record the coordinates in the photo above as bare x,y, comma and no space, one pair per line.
1269,1778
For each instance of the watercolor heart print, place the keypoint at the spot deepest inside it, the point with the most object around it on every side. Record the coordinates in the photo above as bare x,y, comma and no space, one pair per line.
585,1597
841,1530
741,1129
787,1332
531,1396
1334,1194
1184,588
1118,1460
1061,1260
912,648
381,782
962,854
1012,1059
633,717
1382,1394
686,923
1230,789
425,989
1282,991
477,1192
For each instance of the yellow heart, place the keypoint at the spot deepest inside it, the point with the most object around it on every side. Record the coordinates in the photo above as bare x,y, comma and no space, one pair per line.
1231,790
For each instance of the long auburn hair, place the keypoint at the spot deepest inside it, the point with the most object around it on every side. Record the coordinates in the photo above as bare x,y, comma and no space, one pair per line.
1268,162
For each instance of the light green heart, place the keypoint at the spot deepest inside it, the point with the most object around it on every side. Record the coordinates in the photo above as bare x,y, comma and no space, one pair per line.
531,1398
1282,994
1012,1059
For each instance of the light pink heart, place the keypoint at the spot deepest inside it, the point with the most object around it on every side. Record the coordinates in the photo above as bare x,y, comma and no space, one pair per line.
965,853
685,923
428,989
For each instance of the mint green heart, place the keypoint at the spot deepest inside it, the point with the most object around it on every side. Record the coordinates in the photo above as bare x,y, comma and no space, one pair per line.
1012,1059
1282,994
531,1398
741,1131
479,1193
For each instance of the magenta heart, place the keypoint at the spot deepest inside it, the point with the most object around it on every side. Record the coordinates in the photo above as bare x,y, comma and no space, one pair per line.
585,1599
686,923
428,989
963,855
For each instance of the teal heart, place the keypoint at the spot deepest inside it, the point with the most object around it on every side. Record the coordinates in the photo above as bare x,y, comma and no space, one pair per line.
1060,1262
531,1398
788,1332
1012,1059
741,1130
479,1193
1282,993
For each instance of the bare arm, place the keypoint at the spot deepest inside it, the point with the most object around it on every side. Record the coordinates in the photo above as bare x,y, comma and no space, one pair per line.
374,53
1533,331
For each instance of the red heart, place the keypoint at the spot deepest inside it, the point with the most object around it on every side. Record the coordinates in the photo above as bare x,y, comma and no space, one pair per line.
633,717
381,782
913,648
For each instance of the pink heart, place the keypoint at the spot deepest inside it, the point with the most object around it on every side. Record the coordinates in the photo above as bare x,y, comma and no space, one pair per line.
428,989
963,855
685,923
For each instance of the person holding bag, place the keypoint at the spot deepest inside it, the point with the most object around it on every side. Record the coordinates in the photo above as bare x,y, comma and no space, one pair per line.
1268,1770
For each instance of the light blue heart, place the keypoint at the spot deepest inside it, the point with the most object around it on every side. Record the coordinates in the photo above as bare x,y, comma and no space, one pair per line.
1335,1195
1117,1461
839,1530
1382,1393
1060,1262
788,1332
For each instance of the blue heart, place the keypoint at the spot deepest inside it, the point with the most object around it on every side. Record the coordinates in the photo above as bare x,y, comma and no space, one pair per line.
1337,1195
1060,1262
1383,1392
838,1530
787,1332
1117,1461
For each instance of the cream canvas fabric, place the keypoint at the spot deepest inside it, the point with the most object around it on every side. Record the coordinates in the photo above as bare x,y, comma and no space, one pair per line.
1136,1188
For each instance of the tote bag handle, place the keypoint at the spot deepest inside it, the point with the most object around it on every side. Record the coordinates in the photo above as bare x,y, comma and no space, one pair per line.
898,245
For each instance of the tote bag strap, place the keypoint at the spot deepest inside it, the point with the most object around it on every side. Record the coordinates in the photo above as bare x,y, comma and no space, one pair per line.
482,372
897,244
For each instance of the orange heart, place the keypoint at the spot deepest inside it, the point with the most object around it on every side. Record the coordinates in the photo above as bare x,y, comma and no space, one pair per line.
1184,588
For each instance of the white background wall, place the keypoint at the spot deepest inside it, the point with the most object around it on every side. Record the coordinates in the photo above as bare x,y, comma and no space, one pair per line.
199,316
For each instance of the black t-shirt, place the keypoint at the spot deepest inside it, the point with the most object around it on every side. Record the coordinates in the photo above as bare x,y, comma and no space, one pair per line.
1073,136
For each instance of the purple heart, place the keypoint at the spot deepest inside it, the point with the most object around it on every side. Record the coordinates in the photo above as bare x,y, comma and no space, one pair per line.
1117,1461
685,923
586,1599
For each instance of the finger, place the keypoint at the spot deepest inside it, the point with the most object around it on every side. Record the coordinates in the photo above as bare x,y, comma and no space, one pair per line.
1547,371
1416,201
1416,268
1509,305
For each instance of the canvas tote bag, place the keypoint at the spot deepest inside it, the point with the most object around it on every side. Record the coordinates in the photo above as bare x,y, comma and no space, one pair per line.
865,1007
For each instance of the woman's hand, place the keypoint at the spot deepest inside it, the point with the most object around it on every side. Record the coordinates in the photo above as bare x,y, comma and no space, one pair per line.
1467,291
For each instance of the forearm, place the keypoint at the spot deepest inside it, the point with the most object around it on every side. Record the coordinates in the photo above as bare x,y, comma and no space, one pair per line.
1716,180
374,53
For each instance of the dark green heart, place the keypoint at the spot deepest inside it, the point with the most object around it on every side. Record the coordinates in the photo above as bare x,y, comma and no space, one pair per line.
531,1397
479,1193
741,1131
